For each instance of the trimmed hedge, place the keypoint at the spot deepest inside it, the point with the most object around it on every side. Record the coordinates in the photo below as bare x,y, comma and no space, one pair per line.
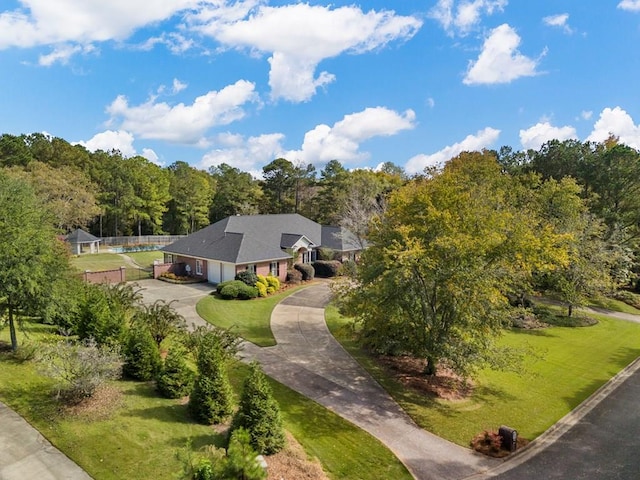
294,276
307,270
237,289
326,268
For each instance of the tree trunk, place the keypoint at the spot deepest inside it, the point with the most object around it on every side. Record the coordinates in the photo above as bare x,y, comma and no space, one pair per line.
431,367
570,312
12,329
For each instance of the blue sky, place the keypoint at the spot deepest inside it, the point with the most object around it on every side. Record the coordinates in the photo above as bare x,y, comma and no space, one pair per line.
413,82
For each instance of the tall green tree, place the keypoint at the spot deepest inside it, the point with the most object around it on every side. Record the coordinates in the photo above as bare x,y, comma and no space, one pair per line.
433,282
66,192
32,258
237,193
191,193
279,186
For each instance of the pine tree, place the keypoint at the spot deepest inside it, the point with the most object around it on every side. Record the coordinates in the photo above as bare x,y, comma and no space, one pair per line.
210,401
142,357
175,380
259,414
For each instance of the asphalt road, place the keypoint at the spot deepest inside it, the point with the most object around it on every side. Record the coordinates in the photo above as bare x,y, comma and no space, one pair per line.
604,445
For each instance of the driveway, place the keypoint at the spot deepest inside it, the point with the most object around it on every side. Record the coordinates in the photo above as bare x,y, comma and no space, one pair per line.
309,360
25,454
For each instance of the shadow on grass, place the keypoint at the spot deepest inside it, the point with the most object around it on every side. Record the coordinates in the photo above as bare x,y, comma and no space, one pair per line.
174,413
198,442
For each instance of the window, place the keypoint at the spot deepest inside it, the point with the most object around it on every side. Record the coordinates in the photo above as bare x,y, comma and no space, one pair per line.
168,258
252,268
198,267
274,269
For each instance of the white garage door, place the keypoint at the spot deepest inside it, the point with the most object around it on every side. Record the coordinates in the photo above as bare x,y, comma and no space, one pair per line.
213,271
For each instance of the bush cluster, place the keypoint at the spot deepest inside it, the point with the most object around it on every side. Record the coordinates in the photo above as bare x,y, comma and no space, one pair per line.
326,268
294,276
236,289
347,269
267,285
307,271
247,277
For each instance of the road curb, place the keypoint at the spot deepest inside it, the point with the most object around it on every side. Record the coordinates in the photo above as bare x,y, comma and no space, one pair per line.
554,432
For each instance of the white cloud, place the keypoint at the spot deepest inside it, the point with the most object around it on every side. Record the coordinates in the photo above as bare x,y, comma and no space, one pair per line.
461,19
500,61
560,21
586,114
631,5
183,123
151,155
178,86
62,54
249,155
299,36
617,122
535,136
321,144
111,140
481,140
342,141
44,22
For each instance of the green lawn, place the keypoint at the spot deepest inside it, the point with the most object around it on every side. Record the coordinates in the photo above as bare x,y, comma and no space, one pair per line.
569,365
145,259
140,436
615,305
97,262
249,318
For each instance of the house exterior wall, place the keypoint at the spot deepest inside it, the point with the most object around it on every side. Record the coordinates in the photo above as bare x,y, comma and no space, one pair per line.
190,266
264,268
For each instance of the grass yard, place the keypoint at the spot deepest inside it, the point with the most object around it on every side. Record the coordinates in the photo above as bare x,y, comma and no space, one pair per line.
249,318
97,262
615,305
145,259
569,365
133,433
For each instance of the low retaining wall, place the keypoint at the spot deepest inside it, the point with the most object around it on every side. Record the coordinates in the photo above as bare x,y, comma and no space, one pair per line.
105,276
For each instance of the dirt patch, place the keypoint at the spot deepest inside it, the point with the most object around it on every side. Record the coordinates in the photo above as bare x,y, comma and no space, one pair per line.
100,406
446,384
292,463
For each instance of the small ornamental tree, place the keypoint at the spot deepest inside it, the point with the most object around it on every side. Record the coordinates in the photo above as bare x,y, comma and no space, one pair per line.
142,357
161,320
210,401
259,414
175,379
78,368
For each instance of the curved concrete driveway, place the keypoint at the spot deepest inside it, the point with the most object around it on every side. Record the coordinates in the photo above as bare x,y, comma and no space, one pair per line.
309,360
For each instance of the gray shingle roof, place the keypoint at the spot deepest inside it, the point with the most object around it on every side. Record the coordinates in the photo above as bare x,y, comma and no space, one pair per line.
80,236
340,239
247,238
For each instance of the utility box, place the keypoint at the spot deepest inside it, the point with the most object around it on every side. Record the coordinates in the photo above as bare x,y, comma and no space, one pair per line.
509,438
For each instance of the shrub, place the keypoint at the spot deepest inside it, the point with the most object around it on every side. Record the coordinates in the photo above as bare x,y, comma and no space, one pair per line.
348,268
263,280
326,254
161,320
210,401
294,276
273,282
259,414
307,270
175,379
241,461
488,442
628,297
248,277
262,289
79,368
326,268
238,289
142,356
271,290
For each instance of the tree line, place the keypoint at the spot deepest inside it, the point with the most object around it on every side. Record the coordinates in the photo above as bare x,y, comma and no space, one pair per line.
112,195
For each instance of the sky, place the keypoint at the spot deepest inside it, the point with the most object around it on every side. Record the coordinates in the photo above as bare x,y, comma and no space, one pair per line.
413,82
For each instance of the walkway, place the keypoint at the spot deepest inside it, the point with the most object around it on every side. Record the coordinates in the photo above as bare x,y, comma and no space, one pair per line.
309,360
25,454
